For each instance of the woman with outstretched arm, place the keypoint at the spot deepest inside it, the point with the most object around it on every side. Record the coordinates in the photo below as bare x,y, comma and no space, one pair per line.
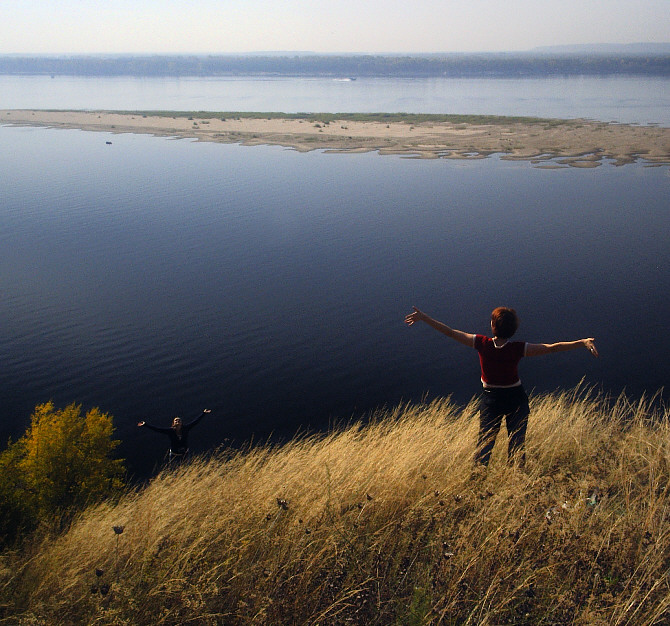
503,394
178,434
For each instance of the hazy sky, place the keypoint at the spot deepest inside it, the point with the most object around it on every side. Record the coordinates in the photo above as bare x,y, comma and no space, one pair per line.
220,26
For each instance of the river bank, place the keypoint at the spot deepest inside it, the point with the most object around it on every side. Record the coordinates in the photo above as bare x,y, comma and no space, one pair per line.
547,143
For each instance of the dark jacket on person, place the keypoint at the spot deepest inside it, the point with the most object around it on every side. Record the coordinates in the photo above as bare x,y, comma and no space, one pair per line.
178,442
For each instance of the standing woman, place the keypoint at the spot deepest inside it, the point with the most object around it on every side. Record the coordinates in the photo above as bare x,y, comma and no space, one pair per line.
503,395
178,434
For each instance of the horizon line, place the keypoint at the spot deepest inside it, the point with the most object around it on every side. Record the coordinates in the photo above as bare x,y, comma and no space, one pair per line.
544,48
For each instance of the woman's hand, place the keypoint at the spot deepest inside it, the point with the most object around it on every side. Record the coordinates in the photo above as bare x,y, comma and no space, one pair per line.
416,316
590,345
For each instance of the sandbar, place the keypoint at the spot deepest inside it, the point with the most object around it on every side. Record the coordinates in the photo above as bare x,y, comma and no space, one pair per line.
545,143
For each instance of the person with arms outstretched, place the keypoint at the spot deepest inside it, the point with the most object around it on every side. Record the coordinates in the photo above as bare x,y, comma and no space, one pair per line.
503,394
178,434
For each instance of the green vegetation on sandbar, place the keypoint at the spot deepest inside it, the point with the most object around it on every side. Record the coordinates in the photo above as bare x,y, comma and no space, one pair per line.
409,118
383,522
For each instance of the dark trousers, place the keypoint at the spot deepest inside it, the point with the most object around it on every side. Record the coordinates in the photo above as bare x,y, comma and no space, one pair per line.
175,458
512,404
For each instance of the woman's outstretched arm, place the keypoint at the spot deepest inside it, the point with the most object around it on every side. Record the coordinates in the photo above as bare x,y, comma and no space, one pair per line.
466,339
197,419
537,349
158,429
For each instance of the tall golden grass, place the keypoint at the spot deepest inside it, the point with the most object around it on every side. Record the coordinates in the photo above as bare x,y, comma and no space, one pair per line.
381,523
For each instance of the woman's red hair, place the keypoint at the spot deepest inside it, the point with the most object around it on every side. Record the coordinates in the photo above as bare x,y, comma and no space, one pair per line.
504,322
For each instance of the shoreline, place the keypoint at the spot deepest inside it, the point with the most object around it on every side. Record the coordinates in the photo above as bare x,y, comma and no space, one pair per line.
547,143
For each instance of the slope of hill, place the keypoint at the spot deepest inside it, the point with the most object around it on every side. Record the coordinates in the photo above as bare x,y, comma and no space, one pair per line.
379,524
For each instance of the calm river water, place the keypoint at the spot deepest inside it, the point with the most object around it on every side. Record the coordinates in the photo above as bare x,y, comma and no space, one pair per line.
156,277
644,100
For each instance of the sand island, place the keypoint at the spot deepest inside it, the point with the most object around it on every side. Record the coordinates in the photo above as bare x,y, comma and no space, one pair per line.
548,143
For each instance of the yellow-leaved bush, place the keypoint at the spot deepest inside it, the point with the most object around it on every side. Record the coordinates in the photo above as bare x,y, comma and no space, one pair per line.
63,462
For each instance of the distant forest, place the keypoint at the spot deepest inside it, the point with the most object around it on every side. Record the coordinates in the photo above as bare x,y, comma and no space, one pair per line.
501,65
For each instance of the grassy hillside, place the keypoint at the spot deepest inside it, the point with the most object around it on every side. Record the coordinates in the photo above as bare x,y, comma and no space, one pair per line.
380,524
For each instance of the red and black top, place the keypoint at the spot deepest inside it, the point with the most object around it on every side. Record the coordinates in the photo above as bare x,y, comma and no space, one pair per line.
499,365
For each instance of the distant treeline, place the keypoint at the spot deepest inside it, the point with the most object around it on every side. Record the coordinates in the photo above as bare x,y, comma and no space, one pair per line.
507,65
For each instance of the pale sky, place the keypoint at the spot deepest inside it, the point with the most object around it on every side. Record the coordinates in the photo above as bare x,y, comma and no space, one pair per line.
323,26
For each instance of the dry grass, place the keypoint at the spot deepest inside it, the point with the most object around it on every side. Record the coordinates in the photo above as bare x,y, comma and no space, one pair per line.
381,524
